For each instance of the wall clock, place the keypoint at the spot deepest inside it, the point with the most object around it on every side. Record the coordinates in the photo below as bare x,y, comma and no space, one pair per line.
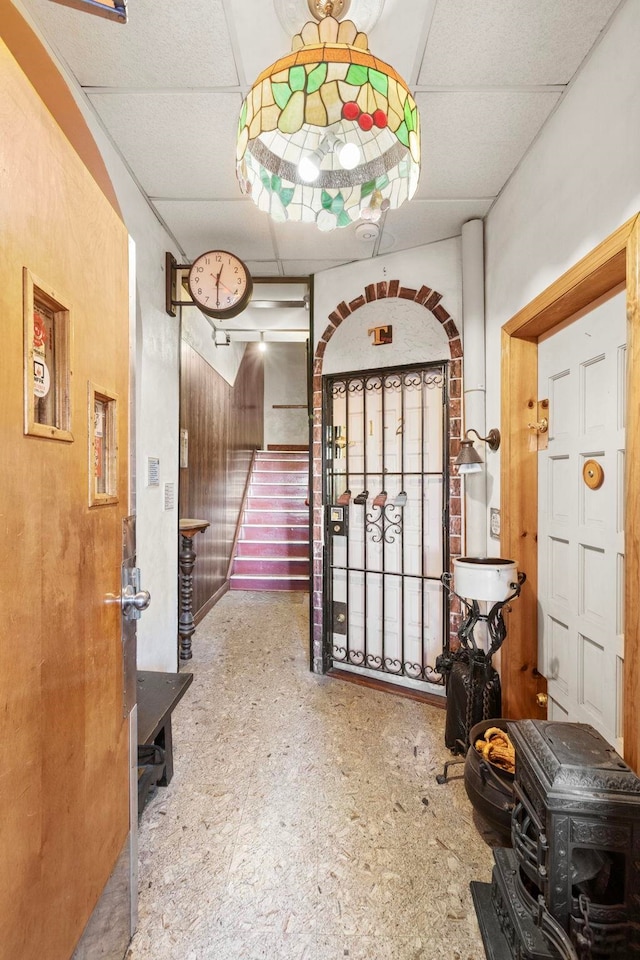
220,284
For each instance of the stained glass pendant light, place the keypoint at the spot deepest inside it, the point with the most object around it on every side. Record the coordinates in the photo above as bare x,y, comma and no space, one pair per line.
328,134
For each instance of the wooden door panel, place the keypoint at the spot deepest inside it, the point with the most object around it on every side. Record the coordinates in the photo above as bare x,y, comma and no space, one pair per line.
64,811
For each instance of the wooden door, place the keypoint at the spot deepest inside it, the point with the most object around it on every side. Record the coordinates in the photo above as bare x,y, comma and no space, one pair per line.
64,782
581,370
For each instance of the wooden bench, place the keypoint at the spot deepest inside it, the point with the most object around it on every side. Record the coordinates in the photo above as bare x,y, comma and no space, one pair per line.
158,695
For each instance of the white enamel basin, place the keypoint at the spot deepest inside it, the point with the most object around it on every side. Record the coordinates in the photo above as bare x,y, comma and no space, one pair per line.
484,578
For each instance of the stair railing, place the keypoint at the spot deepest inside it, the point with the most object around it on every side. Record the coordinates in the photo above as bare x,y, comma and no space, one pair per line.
245,494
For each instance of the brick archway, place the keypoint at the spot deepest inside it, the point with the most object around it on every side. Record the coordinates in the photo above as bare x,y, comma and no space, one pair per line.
429,299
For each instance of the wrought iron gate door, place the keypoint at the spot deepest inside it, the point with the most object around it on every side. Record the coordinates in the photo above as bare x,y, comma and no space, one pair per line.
386,490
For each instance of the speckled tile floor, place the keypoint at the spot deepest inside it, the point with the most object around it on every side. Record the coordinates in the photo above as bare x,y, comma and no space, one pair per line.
303,821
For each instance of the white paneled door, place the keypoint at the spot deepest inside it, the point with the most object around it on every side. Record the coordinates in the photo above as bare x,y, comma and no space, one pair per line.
386,498
581,370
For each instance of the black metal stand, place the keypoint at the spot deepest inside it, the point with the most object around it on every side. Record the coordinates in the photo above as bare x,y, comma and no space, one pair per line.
481,685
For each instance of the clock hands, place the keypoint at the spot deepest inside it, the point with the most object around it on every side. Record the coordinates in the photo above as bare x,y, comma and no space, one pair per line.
218,286
231,292
219,283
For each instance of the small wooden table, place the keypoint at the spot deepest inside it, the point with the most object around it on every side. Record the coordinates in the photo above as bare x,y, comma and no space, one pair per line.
158,694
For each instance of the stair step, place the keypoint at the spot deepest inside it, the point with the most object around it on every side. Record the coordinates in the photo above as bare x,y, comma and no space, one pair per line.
278,489
271,566
268,583
282,455
278,502
274,515
255,531
280,476
278,466
272,548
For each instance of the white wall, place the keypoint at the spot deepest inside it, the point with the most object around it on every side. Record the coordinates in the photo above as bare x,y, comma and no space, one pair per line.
579,182
436,265
285,383
418,337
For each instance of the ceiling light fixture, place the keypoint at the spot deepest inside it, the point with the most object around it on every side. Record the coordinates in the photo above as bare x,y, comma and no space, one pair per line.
262,345
469,460
329,131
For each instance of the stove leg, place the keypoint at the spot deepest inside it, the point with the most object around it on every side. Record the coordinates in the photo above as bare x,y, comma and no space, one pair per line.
444,776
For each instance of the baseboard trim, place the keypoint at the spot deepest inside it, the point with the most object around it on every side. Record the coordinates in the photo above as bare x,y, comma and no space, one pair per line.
211,602
385,687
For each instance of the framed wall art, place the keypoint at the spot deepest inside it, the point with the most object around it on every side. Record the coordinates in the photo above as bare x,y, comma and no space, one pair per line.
47,361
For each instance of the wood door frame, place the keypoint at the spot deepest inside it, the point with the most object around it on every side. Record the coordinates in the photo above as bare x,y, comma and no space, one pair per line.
614,262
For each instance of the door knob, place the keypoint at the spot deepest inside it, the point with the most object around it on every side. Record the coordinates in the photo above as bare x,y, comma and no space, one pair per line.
542,699
134,603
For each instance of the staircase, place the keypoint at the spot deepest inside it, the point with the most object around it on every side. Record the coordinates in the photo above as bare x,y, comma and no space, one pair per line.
272,551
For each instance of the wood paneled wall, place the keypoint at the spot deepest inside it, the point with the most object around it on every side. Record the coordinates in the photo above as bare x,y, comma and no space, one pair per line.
225,425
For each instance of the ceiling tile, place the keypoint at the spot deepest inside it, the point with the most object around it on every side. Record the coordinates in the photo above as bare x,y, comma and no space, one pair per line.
471,142
179,145
237,226
511,42
262,39
263,268
305,268
424,221
164,44
305,242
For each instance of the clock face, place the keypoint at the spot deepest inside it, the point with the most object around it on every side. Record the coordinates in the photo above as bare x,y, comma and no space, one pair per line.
220,284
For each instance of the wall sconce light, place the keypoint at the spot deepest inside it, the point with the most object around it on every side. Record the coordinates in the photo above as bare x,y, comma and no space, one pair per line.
262,345
469,460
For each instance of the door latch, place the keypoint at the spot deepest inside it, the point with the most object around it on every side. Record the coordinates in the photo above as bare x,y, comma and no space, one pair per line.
133,599
539,435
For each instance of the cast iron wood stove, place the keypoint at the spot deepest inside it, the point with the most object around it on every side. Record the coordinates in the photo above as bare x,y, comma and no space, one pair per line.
570,887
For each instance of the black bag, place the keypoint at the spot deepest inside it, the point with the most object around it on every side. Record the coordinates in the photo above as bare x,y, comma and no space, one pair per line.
473,694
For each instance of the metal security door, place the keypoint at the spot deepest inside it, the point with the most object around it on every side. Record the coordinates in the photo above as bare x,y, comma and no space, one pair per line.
582,371
386,493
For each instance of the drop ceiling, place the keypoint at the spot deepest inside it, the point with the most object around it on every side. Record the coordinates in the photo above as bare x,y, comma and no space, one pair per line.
168,86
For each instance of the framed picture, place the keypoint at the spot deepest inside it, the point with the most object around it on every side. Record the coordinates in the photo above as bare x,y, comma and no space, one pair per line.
103,446
47,361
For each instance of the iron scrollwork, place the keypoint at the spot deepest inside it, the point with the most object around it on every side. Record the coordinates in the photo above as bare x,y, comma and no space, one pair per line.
387,665
386,526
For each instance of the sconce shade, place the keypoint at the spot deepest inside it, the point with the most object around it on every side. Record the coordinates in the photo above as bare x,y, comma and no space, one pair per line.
328,131
468,460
